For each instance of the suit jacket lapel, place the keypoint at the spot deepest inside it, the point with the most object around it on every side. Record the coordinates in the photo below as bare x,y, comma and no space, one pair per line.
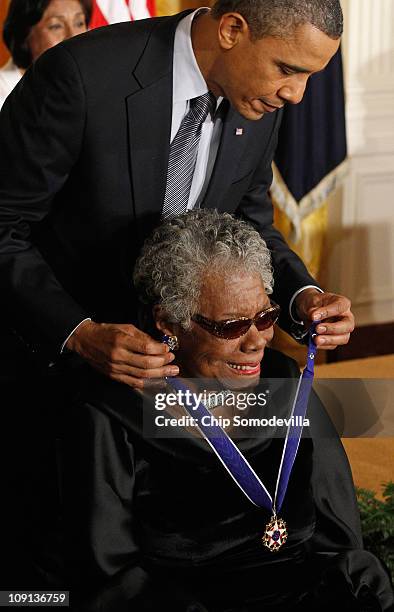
234,139
149,116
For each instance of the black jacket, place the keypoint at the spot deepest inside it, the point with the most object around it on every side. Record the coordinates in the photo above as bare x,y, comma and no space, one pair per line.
155,522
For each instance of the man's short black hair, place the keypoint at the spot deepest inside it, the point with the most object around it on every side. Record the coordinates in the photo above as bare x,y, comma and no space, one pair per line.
281,17
21,17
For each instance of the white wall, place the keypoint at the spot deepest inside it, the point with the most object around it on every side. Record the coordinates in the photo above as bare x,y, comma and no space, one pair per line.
360,261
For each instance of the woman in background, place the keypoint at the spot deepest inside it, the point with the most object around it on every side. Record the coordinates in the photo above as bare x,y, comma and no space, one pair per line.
33,26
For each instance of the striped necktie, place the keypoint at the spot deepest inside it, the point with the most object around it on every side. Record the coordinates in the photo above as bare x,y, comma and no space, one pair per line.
183,155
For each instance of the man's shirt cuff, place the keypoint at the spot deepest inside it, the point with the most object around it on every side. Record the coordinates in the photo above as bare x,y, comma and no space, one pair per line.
298,329
297,293
69,335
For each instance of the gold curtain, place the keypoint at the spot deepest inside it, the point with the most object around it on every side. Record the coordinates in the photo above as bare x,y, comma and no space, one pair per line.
310,248
313,231
170,7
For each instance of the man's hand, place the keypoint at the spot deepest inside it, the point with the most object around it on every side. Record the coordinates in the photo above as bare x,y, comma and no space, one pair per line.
122,352
337,320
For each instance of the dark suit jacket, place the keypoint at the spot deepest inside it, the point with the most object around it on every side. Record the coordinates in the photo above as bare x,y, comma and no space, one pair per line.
84,156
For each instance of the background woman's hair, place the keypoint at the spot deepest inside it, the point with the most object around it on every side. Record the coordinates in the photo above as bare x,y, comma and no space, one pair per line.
181,252
21,17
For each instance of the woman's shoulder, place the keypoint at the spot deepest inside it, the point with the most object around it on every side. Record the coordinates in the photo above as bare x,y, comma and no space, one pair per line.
9,74
9,77
105,396
114,406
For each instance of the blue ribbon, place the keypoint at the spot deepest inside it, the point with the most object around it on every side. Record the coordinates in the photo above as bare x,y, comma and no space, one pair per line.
232,458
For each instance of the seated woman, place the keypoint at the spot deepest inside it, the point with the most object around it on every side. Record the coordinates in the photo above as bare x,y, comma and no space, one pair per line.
156,521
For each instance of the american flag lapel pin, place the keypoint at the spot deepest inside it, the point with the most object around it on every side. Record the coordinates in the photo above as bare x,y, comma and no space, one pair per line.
239,132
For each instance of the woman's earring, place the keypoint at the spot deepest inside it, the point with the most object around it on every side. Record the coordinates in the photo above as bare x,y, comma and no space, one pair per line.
171,341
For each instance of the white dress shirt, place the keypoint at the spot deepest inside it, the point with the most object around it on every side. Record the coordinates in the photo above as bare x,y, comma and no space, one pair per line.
189,83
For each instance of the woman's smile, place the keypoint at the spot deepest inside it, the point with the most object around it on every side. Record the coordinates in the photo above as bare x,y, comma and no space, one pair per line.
247,369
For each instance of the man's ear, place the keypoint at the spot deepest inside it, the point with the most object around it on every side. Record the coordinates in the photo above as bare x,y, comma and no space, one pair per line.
232,27
161,321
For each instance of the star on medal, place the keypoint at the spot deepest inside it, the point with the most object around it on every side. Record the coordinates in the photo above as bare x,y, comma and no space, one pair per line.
275,534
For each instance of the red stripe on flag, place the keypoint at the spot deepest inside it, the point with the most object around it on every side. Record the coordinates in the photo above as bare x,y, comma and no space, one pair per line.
98,18
128,9
151,4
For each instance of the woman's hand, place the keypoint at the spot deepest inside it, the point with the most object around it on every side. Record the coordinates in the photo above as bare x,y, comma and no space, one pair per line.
122,352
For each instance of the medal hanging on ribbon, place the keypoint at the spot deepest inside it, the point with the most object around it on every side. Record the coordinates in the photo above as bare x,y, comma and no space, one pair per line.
275,533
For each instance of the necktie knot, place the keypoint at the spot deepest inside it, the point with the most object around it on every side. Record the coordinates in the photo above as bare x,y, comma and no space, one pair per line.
202,105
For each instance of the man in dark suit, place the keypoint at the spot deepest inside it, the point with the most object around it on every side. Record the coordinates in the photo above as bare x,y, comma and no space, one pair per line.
88,152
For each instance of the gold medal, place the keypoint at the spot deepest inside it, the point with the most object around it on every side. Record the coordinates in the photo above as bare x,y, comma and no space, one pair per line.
275,534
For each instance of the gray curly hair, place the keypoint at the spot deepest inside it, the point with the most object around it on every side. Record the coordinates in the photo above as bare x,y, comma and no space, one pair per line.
182,251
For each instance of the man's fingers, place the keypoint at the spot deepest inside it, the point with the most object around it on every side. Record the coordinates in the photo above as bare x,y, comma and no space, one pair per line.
144,346
331,342
140,384
139,342
333,306
124,357
115,371
336,333
126,377
131,381
344,326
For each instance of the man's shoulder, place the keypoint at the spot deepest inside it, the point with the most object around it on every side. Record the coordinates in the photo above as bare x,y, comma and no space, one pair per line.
120,37
110,54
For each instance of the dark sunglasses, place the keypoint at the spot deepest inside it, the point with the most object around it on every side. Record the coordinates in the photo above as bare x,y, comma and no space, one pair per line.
235,328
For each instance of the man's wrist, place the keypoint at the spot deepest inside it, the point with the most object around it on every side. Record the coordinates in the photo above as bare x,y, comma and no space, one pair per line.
295,315
70,342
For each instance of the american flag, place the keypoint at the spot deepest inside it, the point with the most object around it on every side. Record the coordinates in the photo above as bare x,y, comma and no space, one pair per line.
114,11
